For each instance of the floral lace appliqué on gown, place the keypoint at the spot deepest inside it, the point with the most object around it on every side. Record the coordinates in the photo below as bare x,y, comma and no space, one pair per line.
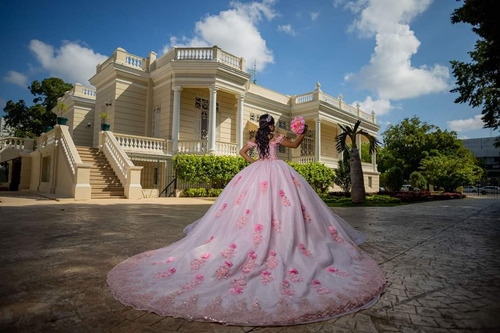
267,252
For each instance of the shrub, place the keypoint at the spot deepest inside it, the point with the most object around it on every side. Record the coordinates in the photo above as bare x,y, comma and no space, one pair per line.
195,192
218,170
382,199
214,192
318,175
418,180
393,178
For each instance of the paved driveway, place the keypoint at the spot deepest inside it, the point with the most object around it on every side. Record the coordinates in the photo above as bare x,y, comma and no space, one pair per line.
441,259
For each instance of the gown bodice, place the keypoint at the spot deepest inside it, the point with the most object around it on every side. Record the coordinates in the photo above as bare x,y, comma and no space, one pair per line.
273,147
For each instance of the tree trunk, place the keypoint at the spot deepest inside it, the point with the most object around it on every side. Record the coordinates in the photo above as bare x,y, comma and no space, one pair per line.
357,179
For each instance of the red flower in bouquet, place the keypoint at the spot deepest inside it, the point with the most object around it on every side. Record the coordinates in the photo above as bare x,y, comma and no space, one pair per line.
298,124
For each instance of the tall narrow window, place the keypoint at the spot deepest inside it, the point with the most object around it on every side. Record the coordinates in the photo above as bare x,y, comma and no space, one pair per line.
307,145
202,106
155,122
46,169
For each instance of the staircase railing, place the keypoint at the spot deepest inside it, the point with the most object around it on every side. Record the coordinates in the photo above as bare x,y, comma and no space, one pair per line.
127,172
165,190
10,147
79,170
59,140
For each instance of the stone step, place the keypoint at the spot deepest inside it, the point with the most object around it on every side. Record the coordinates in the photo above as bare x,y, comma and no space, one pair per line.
103,180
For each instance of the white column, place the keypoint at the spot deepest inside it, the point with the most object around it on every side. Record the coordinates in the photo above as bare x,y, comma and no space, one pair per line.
211,120
374,161
239,122
175,118
318,140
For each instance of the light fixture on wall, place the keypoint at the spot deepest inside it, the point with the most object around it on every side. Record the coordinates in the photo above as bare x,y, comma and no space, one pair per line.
89,124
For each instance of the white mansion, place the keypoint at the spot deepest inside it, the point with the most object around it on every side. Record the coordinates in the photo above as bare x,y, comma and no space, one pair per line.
188,101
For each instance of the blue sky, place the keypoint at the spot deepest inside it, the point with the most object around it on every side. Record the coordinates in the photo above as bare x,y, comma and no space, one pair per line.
391,56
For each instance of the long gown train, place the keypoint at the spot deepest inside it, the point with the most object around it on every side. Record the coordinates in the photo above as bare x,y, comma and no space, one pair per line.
267,252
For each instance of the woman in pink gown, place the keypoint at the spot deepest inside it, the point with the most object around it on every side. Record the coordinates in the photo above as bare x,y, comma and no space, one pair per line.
269,251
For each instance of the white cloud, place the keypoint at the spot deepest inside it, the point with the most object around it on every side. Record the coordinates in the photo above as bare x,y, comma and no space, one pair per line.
314,15
220,30
71,62
379,106
286,28
465,125
3,101
390,73
16,78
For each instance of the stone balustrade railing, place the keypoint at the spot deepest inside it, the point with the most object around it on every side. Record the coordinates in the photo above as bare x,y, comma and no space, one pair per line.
21,144
122,57
336,103
193,147
10,147
304,98
200,147
129,175
226,148
69,149
46,140
330,162
80,172
83,91
207,53
142,144
304,159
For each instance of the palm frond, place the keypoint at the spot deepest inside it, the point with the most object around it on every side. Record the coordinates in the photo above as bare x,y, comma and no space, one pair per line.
341,142
355,129
374,143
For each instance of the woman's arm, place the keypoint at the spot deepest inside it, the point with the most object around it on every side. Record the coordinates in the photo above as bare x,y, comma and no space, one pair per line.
296,143
245,149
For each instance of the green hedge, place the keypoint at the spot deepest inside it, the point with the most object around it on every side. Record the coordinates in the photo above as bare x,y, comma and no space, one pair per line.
318,175
201,192
218,170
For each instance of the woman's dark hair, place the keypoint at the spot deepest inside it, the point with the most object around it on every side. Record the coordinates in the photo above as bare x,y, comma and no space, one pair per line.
262,136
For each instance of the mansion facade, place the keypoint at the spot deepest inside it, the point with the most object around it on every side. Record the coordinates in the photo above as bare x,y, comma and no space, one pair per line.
188,101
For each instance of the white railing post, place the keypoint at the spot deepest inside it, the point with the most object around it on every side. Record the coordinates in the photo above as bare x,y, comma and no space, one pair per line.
127,172
80,171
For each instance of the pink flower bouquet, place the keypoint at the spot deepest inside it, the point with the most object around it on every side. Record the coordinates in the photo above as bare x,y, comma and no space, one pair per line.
298,124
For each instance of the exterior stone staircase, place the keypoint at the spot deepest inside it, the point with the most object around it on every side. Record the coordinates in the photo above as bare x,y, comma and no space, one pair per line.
104,182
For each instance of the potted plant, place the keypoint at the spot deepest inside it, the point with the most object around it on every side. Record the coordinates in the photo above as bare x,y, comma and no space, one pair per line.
104,125
62,108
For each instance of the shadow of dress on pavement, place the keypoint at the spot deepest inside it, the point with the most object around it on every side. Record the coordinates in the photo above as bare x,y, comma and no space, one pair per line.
269,251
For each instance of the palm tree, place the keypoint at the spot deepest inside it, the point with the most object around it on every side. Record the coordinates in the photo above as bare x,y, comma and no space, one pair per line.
357,181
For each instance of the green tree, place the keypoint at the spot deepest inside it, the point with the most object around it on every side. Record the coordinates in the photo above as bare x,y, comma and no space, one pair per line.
384,159
366,156
358,192
30,121
450,171
406,144
343,173
478,82
418,180
393,179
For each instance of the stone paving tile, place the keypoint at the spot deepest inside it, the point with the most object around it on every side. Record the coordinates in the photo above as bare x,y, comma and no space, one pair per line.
441,261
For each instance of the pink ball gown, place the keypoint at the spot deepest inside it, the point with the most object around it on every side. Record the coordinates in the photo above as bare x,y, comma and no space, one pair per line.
267,252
